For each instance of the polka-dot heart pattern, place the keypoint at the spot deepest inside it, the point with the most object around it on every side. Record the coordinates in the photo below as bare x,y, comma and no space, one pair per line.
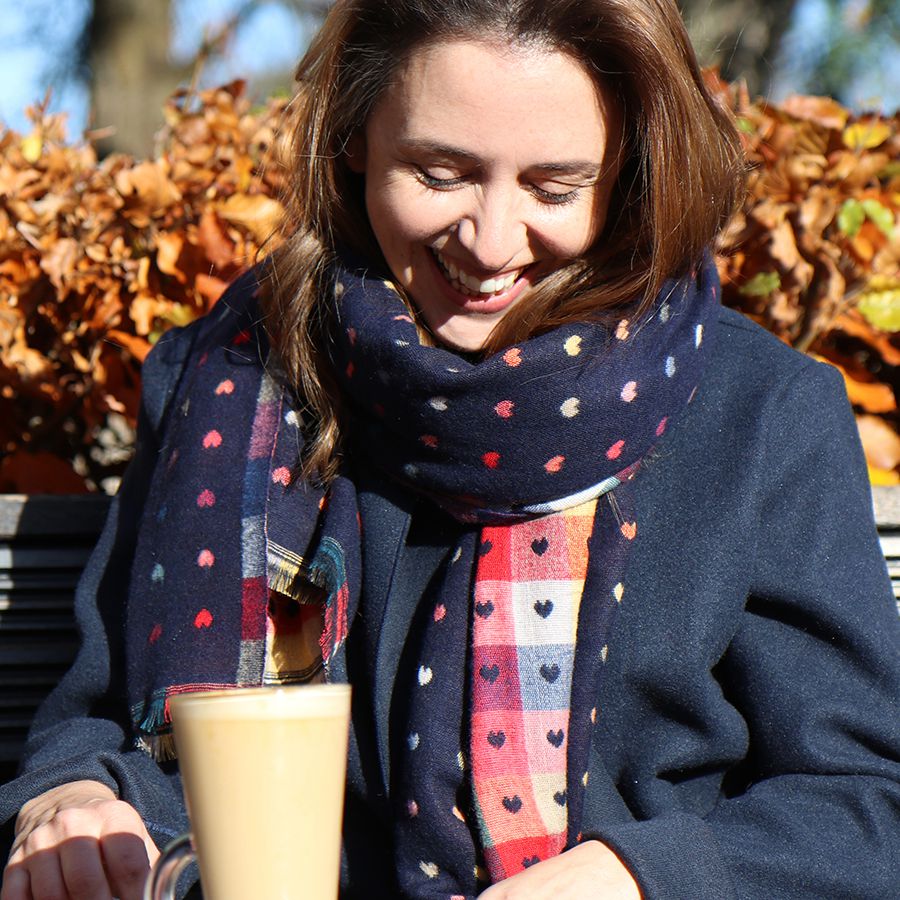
554,465
601,386
282,476
513,357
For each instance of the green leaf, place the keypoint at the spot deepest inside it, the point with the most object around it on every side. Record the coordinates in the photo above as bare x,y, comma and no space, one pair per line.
889,171
179,314
762,284
851,217
882,309
744,125
880,215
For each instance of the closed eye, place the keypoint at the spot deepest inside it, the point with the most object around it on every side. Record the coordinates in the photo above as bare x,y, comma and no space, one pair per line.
554,198
439,184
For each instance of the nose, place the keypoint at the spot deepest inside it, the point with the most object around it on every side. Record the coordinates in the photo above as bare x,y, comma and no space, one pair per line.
493,232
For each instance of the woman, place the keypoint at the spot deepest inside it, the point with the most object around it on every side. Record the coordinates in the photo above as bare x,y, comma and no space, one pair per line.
596,554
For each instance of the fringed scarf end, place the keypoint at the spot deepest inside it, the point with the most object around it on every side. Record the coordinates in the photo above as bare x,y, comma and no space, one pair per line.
153,725
159,747
287,573
327,571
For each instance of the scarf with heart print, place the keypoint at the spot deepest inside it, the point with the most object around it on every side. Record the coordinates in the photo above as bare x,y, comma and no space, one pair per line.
490,767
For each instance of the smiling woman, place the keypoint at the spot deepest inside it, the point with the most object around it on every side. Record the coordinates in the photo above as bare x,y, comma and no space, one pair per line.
596,555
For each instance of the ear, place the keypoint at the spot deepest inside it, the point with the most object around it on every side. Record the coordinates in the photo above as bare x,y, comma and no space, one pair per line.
355,152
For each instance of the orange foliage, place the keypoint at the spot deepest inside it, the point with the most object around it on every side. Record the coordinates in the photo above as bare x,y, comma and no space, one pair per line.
97,259
814,254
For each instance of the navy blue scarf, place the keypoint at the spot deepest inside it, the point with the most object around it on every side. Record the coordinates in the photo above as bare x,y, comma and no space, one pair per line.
542,426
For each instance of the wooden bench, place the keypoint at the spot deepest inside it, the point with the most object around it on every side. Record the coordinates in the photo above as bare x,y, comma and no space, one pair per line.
44,544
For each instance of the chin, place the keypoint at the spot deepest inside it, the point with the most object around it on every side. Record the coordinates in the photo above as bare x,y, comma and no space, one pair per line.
467,340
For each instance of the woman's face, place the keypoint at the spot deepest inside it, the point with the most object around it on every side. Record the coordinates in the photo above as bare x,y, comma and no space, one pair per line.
484,171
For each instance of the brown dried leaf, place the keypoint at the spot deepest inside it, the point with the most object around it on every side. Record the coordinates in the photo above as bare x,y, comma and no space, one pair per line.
168,249
60,260
137,346
880,442
147,189
39,473
822,110
214,241
259,214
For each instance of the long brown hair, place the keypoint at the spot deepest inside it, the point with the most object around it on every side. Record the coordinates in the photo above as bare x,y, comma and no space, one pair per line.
680,168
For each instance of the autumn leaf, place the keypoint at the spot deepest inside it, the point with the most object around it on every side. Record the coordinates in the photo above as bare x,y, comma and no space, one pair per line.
880,303
880,442
168,249
883,477
259,214
139,347
212,237
149,189
851,217
38,473
880,216
822,110
762,284
866,135
32,145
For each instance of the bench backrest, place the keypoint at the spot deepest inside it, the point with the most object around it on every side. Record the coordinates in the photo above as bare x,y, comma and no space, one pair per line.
44,544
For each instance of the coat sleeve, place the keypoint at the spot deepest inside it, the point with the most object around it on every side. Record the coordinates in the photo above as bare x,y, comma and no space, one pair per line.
81,730
813,669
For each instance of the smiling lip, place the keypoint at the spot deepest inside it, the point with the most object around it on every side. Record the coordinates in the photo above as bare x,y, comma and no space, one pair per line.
484,303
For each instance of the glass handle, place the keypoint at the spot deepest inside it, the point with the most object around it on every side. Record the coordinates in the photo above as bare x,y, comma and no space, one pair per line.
164,875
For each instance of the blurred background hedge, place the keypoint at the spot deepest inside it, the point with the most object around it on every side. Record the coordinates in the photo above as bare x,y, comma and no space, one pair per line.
101,252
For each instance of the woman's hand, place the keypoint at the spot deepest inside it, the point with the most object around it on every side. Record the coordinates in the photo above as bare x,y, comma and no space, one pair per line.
590,871
78,841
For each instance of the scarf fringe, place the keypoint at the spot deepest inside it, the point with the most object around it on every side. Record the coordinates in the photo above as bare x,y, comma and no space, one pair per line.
154,728
328,572
287,573
159,747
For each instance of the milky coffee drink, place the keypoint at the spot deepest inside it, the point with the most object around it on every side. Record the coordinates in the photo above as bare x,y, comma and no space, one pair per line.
263,773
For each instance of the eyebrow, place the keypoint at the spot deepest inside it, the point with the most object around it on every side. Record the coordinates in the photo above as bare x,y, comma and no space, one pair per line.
581,168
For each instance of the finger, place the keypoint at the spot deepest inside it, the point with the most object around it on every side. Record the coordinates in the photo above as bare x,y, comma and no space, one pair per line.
127,864
16,882
45,876
82,869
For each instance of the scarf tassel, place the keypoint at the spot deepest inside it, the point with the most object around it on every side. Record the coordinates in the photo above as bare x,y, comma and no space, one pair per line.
328,572
155,728
160,747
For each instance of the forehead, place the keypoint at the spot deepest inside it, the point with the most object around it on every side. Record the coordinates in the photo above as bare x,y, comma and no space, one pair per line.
478,95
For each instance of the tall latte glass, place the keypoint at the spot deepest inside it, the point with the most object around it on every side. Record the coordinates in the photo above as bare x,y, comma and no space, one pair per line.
263,772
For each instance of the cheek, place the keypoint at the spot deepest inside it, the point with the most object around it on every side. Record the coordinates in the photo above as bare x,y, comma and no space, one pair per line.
396,210
573,234
572,237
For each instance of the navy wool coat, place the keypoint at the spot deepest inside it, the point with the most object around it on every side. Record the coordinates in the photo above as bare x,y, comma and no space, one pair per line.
749,739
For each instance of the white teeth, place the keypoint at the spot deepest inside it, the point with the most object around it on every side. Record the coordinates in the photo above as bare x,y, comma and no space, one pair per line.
472,285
